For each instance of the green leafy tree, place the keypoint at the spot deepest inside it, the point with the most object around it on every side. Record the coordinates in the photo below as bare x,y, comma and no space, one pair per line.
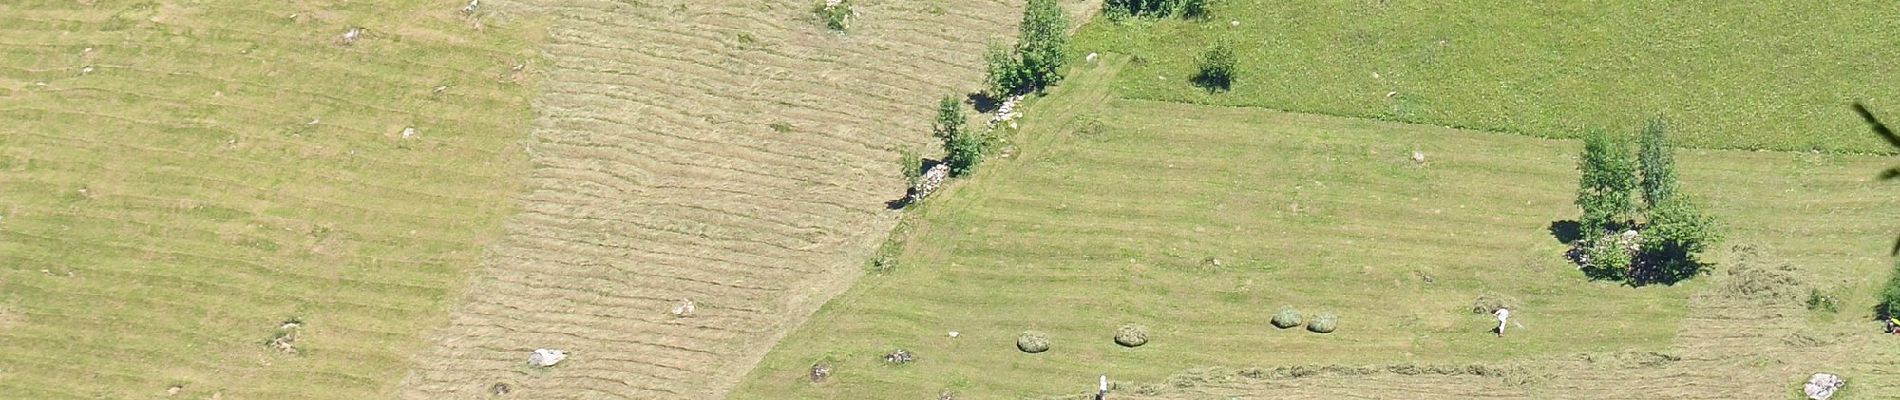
1217,67
913,166
1676,234
950,120
1044,43
1608,177
1659,165
1003,71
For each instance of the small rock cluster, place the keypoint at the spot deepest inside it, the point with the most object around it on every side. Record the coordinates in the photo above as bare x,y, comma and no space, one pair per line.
285,341
929,183
1631,241
1822,386
900,356
819,372
1006,111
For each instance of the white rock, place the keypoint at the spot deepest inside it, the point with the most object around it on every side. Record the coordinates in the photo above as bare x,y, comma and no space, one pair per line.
408,132
1235,23
1822,386
1090,58
953,334
546,357
1418,156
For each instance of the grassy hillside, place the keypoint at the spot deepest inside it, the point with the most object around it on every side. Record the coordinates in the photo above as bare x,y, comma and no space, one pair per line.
735,153
178,179
1745,75
1113,211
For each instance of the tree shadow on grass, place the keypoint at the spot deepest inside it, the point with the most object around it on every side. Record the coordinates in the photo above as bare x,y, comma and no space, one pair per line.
982,102
1566,231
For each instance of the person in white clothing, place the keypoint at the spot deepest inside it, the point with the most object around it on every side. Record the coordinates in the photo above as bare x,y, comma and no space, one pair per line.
1504,314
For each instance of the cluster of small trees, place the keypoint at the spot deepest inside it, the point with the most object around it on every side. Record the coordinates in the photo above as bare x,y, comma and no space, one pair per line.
1155,8
1036,61
1674,229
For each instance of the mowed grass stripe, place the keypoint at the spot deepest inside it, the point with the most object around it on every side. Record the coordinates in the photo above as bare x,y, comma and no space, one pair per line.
185,251
1084,229
657,160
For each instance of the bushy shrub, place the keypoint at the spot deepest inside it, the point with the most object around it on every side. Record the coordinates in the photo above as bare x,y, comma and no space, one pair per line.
1195,8
836,14
1217,67
1032,342
1131,335
1287,318
965,152
1149,8
949,121
1608,259
1889,305
1603,191
1324,323
1821,302
1003,71
1676,234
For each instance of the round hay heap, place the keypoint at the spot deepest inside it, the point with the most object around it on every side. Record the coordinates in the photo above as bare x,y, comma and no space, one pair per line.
1032,342
1131,335
1324,323
1287,318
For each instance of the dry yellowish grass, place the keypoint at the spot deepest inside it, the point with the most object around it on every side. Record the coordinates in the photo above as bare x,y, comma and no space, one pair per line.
659,176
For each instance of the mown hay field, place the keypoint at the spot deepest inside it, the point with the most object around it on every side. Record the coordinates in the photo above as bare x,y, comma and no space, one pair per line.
735,154
1201,222
180,179
1737,75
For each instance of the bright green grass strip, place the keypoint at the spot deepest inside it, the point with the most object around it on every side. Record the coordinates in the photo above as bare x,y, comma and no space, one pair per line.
1735,75
1083,230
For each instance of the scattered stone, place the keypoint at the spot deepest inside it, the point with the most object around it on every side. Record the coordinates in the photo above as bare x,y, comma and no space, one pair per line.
819,372
1212,262
1006,111
501,389
931,180
1131,335
173,390
1091,58
1287,318
684,308
351,36
1032,342
470,8
946,395
409,132
1234,23
899,357
86,70
1822,386
546,357
1324,323
953,334
1418,156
